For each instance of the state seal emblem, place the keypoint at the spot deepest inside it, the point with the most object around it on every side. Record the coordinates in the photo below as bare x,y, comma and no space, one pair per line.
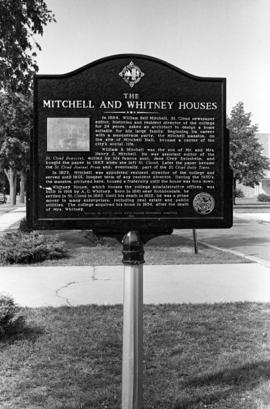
203,203
131,74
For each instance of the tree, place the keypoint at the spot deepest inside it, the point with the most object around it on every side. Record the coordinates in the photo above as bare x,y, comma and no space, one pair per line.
246,157
15,125
20,21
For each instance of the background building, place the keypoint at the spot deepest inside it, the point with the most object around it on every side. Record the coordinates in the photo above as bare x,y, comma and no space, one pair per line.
264,186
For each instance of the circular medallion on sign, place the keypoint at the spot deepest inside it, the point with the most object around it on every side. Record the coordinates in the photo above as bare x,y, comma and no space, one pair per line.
203,203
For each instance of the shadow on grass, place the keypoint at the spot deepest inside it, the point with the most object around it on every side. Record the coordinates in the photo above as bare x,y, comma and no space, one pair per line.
172,240
249,374
82,238
194,398
26,333
85,238
211,388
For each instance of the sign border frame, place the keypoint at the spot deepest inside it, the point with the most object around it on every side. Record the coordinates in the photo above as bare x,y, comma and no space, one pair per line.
106,224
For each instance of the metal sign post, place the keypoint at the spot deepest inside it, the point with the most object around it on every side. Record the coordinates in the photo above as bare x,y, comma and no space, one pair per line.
195,241
132,370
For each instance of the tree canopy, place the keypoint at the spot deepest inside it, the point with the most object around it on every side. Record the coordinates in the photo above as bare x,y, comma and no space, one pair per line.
246,156
20,22
15,124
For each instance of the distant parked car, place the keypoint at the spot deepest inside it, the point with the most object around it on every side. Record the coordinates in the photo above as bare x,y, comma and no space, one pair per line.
3,198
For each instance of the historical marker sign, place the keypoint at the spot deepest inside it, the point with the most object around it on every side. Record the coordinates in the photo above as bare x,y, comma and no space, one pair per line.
129,141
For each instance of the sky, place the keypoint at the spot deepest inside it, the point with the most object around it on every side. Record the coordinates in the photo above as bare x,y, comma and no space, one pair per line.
211,38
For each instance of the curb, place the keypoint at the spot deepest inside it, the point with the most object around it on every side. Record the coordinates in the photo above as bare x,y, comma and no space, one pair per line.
252,206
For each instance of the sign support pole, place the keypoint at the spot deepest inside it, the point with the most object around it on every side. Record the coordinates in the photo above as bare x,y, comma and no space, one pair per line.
195,241
132,368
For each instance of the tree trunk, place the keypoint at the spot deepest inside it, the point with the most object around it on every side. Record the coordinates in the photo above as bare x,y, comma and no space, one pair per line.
11,175
22,186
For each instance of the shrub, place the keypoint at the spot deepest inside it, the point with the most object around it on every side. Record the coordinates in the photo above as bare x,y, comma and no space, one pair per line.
23,227
11,320
262,197
239,193
18,247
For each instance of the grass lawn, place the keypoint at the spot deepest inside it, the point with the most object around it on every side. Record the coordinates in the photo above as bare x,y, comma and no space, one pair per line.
195,356
172,249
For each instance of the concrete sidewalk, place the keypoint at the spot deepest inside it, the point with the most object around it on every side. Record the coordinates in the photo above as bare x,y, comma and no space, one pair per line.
57,286
13,216
36,286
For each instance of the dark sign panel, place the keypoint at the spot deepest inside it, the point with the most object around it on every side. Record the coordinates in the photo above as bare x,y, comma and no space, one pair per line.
126,142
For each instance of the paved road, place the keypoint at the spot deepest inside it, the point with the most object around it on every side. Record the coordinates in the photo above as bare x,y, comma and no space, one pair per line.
250,235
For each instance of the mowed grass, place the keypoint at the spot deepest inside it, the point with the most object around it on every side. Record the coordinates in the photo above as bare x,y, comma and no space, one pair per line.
195,356
169,249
